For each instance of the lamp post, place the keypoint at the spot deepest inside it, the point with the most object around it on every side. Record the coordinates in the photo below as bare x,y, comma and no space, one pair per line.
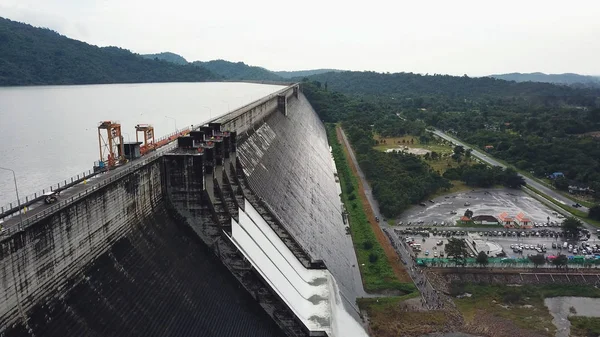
17,192
174,120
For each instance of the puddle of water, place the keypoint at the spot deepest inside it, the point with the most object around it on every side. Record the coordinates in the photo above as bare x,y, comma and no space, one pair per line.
560,309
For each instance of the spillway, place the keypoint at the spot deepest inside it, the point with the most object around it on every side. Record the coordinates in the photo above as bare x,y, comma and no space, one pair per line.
237,231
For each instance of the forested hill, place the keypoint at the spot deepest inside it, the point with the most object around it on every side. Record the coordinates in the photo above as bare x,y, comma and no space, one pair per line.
35,56
304,73
567,79
167,56
239,71
405,85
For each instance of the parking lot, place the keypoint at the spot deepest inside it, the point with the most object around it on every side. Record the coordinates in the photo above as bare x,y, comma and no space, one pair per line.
530,240
481,202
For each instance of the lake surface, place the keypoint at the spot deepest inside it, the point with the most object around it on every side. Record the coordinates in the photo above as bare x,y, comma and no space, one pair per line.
49,133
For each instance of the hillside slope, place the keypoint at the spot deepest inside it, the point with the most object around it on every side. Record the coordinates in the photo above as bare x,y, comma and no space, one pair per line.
453,87
568,79
303,73
167,56
35,56
238,71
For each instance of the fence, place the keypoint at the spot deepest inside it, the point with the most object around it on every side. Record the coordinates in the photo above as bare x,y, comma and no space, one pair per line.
13,209
123,171
573,262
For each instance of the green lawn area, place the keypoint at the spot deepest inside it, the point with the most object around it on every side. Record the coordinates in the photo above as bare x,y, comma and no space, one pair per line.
585,326
375,268
411,142
523,305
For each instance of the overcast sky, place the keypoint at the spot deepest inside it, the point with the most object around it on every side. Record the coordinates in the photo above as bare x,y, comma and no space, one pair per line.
450,36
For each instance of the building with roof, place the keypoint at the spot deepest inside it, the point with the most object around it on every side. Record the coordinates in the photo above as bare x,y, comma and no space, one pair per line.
522,221
485,220
556,175
506,220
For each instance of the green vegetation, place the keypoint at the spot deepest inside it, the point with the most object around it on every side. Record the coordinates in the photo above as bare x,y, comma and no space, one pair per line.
167,56
303,73
397,179
482,259
374,266
538,127
595,212
571,225
238,71
523,305
569,79
35,56
391,317
585,326
482,175
457,249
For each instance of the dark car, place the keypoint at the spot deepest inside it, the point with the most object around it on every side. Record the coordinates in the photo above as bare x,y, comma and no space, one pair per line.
422,204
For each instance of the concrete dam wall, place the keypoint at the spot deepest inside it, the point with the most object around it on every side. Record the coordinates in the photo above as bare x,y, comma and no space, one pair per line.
150,253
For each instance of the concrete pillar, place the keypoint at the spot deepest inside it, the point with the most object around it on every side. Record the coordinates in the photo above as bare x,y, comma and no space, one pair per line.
282,104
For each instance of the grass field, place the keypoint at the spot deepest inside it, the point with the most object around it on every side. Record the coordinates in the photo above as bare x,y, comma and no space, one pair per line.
389,318
411,142
523,305
585,326
378,263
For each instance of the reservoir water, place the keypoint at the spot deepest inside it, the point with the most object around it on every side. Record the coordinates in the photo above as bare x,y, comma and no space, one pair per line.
49,133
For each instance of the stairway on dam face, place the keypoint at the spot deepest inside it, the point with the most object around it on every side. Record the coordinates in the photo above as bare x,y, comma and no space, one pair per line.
217,203
156,281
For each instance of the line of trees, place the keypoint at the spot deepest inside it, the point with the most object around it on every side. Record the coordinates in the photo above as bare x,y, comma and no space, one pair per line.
397,179
481,175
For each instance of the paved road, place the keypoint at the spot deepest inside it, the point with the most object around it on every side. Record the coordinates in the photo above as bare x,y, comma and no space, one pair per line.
531,182
430,297
40,209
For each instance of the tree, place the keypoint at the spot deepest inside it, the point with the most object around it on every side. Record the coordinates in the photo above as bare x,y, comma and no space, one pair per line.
468,153
561,183
595,212
459,150
469,213
537,259
457,248
482,259
571,225
560,261
512,179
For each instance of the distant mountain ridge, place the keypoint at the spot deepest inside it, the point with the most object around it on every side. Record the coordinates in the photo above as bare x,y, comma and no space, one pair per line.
238,71
304,73
39,56
167,56
567,78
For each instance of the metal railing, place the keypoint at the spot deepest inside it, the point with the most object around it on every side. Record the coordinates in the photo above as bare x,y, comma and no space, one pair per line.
17,208
123,171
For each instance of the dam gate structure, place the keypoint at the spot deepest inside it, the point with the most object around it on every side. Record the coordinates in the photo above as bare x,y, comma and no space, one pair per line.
166,245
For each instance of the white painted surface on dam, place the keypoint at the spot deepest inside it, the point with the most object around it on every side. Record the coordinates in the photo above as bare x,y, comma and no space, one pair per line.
312,294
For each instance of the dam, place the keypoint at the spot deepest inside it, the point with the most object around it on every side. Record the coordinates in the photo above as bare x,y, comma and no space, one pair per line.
235,229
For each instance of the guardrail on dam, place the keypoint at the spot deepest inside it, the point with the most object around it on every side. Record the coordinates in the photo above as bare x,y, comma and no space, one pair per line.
134,229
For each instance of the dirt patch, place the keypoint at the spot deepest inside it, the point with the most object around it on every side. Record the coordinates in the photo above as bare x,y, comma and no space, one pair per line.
390,253
487,324
393,317
411,150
